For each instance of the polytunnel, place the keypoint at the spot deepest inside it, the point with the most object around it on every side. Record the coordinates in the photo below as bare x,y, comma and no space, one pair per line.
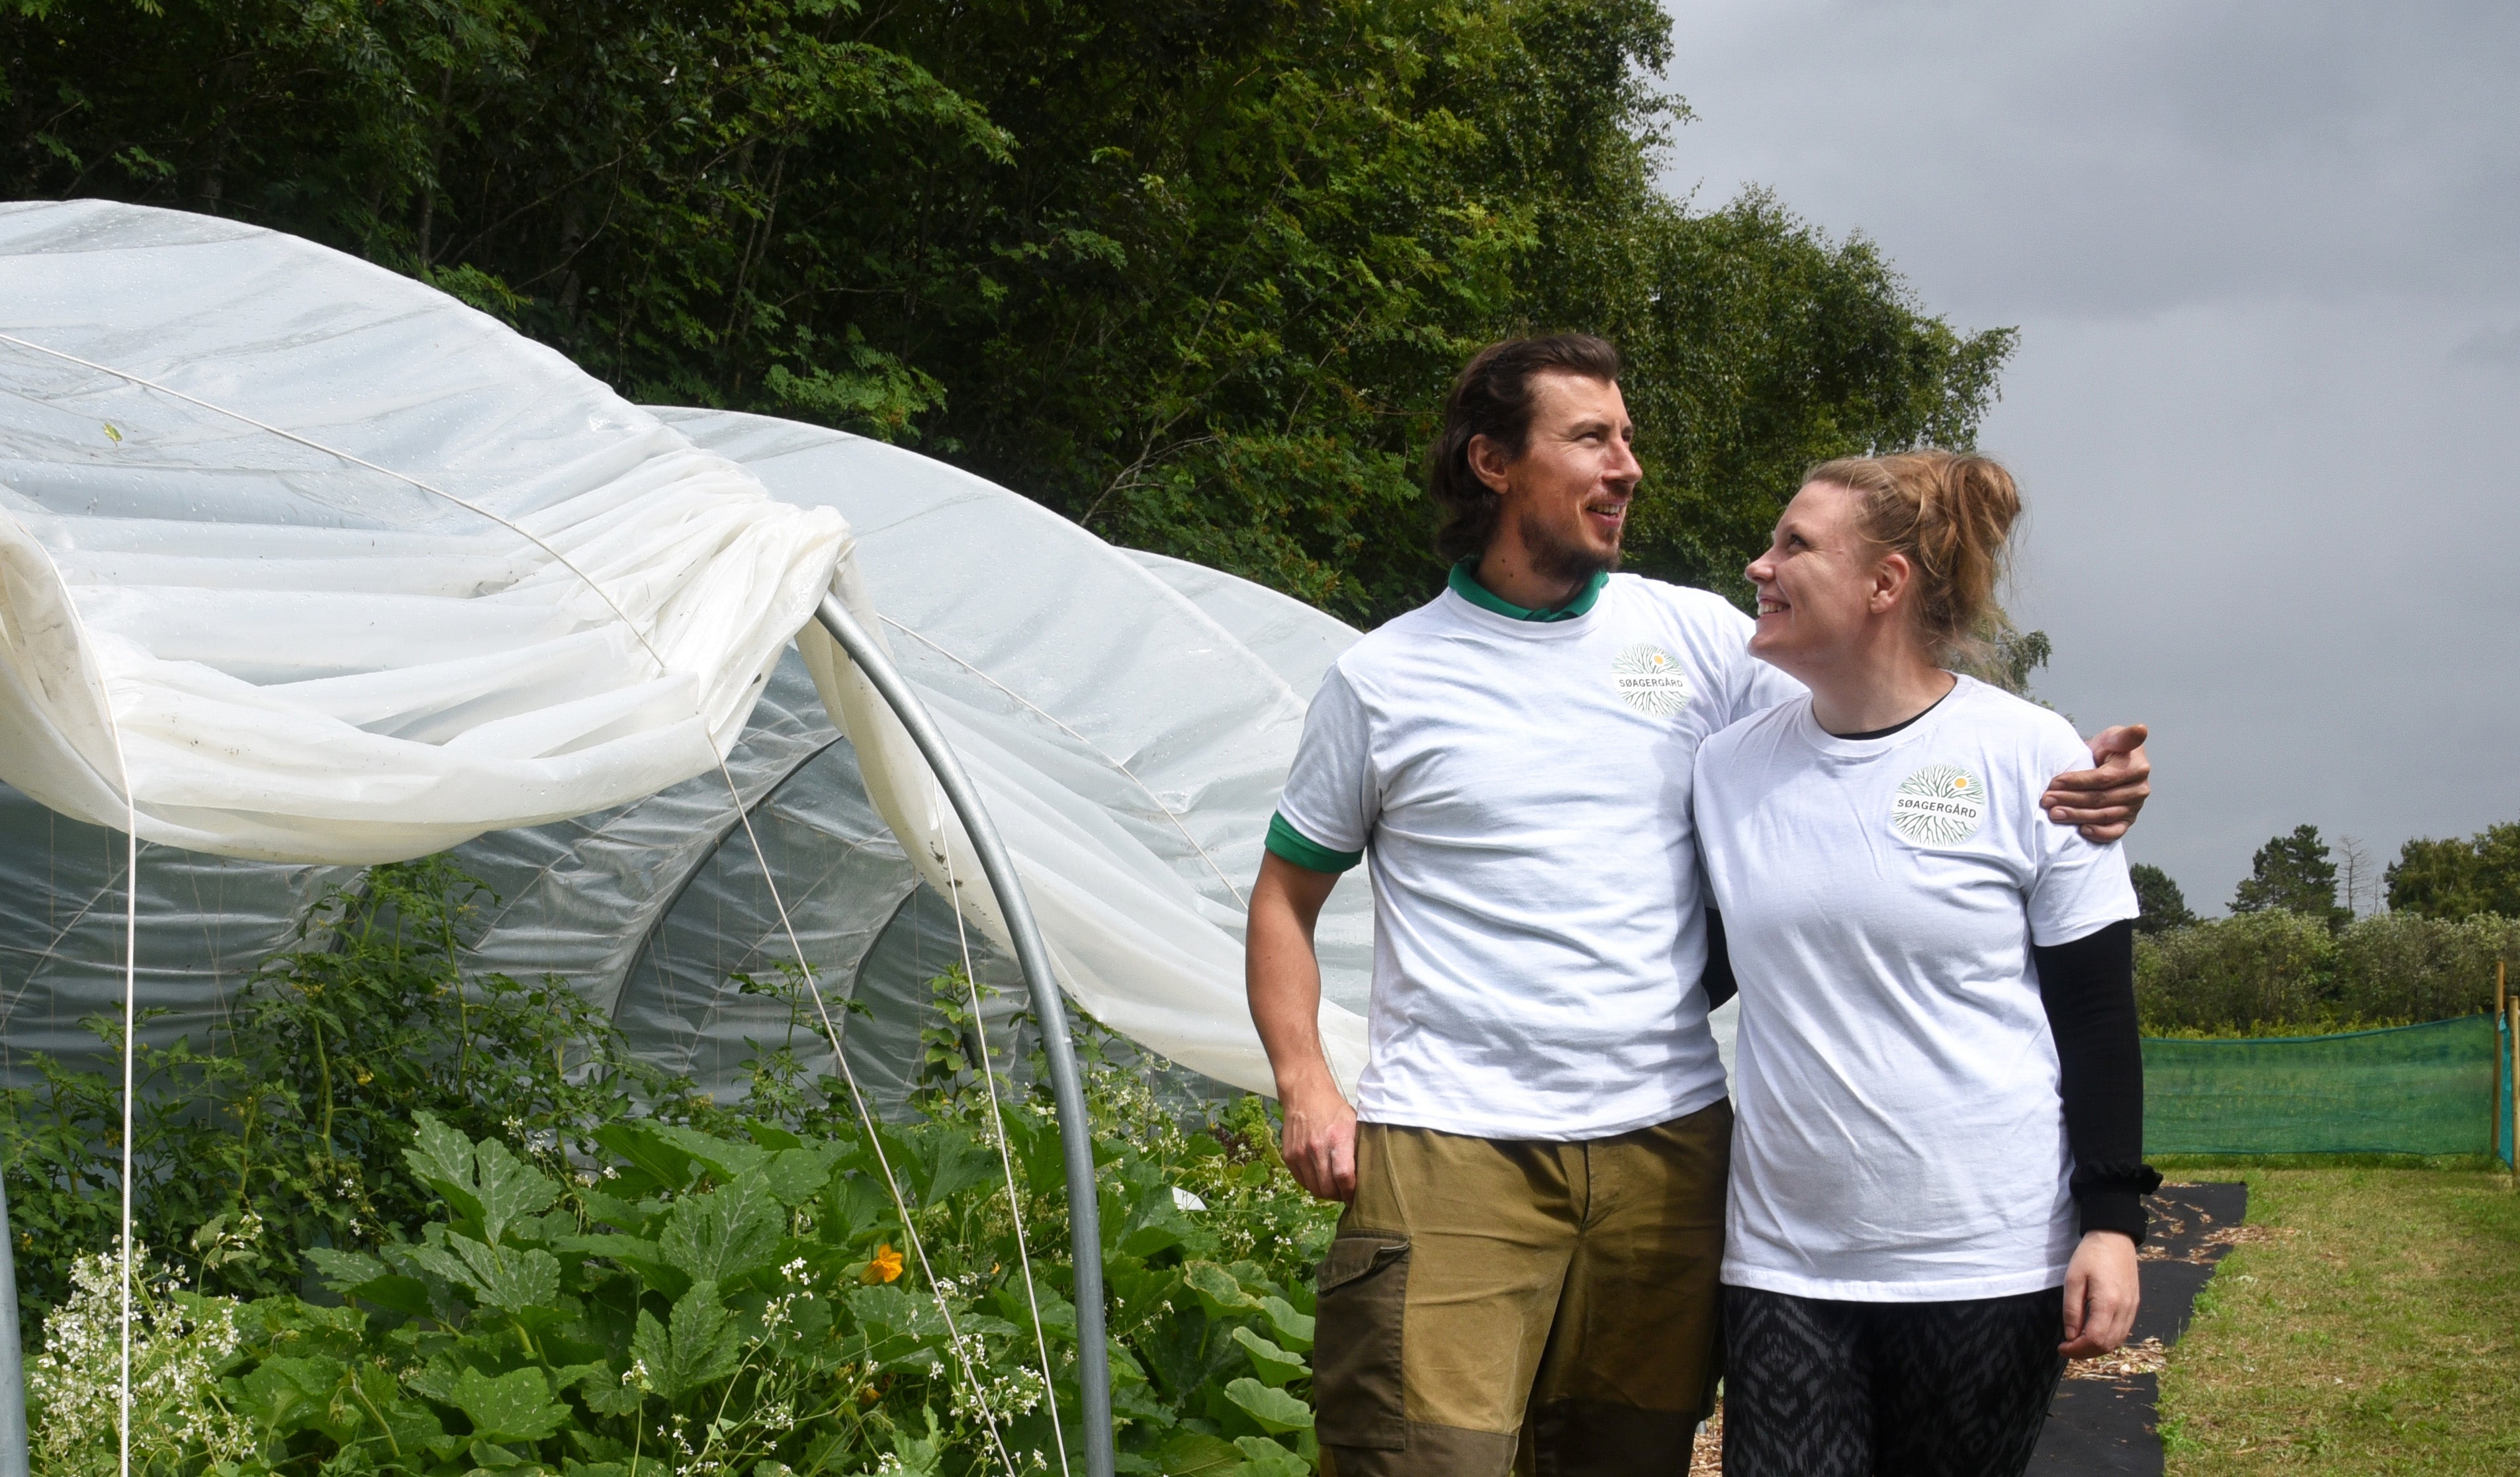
305,566
1127,717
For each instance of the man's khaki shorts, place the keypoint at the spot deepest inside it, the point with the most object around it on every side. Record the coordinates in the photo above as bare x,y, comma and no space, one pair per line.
1474,1281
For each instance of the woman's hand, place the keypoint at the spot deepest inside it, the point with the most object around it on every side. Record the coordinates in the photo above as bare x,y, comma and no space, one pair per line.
2101,1293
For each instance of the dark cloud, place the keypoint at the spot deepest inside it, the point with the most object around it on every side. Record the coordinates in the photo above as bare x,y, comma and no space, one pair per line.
2113,157
2266,264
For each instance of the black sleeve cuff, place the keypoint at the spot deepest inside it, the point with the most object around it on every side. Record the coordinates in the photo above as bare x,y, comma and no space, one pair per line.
2110,1197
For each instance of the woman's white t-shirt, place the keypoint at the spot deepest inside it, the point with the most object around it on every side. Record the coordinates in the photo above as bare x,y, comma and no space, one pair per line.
1899,1137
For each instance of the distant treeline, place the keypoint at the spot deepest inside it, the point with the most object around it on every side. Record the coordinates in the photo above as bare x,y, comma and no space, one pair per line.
2279,974
2292,957
1195,274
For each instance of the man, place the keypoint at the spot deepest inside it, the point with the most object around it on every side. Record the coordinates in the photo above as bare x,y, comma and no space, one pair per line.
1535,1166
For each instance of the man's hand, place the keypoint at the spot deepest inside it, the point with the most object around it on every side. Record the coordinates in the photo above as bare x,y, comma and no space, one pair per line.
1318,1144
2103,800
2101,1292
1285,979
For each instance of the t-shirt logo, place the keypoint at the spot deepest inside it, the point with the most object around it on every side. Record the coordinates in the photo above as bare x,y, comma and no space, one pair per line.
1938,805
1649,681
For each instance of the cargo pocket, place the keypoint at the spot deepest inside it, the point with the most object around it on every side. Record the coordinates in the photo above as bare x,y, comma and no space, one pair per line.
1364,1294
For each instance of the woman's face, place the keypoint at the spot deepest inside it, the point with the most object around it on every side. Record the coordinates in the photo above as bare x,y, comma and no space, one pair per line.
1822,583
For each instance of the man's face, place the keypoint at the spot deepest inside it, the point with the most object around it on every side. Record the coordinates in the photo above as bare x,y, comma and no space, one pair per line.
1567,495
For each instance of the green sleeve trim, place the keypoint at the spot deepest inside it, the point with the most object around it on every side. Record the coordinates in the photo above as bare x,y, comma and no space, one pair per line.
1286,842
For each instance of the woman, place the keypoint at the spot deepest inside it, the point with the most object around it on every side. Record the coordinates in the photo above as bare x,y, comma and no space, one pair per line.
1936,1191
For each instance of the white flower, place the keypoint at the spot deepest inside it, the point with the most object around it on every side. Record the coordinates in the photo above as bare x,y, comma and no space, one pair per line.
178,1346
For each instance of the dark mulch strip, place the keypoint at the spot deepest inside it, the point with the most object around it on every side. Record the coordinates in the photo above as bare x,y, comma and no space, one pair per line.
2105,1427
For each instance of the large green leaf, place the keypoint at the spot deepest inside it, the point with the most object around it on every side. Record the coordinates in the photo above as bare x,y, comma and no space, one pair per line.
513,1407
641,1255
943,1160
1294,1330
1275,1366
501,1276
288,1395
442,1159
654,1163
698,1348
795,1175
1218,1292
730,1231
1263,1458
723,1158
487,1184
1275,1410
1195,1454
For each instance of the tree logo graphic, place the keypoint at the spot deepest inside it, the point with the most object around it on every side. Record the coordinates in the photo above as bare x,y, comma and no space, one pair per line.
1938,805
1649,681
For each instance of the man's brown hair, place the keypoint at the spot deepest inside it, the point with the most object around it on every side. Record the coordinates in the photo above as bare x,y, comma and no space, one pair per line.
1493,397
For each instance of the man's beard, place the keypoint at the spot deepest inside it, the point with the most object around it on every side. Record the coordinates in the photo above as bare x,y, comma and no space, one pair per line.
1554,556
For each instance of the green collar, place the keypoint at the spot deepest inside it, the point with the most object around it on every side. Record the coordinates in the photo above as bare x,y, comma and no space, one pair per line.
1466,584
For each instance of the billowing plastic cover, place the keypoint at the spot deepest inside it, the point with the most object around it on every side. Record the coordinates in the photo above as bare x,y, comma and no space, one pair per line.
305,561
306,565
1129,745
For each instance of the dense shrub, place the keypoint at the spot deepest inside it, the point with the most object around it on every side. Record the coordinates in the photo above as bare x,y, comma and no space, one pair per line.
2404,967
2246,972
2279,972
286,1129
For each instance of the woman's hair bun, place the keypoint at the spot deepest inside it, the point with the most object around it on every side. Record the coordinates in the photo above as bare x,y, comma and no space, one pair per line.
1951,514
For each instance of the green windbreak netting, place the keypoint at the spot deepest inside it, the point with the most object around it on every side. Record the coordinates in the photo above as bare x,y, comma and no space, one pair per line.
2417,1089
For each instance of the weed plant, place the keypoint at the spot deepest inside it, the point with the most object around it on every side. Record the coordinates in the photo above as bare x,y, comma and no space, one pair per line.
511,1251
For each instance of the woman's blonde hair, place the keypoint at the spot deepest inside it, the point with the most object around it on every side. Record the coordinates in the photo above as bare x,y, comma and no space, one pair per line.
1950,512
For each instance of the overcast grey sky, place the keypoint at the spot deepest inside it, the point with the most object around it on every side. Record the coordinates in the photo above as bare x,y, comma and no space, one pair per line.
2264,259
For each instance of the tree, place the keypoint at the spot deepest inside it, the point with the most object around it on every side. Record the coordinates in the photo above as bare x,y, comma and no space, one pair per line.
2459,878
2354,875
2161,906
2292,875
1195,275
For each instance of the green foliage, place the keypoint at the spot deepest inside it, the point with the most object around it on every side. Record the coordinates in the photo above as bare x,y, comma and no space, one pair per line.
2244,974
609,1275
2279,972
288,1129
2004,654
2292,875
2162,906
2460,879
1195,275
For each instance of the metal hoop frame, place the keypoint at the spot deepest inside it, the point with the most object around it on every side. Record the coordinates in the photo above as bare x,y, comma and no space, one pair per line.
1067,1081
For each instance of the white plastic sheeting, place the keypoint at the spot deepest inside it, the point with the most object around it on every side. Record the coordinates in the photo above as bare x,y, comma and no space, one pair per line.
284,646
1127,741
296,653
651,908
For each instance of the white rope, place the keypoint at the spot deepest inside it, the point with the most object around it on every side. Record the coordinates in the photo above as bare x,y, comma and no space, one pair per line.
130,1052
979,1393
857,1098
1006,1159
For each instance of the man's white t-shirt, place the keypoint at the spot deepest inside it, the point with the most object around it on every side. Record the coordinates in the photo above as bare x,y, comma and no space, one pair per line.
1522,788
1899,1136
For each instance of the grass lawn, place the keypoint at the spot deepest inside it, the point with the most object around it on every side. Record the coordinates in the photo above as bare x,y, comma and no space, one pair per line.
2371,1323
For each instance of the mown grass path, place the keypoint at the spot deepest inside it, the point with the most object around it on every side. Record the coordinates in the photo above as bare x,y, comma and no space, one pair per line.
2368,1323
